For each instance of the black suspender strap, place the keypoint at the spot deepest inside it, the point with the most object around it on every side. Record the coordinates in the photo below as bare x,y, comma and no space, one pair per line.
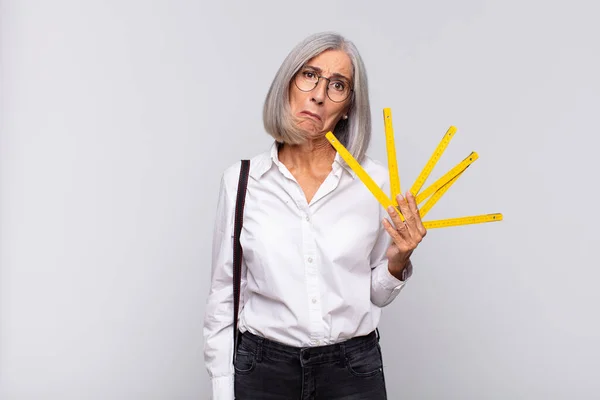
237,248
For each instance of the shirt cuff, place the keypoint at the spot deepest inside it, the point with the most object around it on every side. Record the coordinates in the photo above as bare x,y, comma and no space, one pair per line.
389,281
222,388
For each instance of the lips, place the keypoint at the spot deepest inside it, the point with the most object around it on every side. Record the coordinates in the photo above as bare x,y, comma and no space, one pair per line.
311,115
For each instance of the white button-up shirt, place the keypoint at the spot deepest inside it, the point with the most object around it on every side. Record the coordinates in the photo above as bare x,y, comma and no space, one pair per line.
312,273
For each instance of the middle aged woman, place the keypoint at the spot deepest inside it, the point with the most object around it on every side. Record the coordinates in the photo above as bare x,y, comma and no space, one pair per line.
320,257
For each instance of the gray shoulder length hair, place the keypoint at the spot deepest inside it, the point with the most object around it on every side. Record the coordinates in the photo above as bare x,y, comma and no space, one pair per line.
354,132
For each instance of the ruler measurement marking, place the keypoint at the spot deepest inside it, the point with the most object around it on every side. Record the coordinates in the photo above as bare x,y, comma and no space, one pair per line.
438,195
437,154
383,199
434,192
448,176
475,219
391,155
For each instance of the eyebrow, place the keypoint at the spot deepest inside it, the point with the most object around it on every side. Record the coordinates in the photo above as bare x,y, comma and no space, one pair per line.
334,75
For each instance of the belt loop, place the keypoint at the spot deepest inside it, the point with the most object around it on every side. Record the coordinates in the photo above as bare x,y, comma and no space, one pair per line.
236,343
377,332
342,354
259,348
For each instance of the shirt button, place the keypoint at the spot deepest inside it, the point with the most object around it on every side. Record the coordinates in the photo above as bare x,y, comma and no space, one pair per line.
307,218
309,259
314,300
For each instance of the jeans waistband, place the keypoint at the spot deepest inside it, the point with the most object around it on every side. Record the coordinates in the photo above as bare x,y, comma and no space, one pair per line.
317,353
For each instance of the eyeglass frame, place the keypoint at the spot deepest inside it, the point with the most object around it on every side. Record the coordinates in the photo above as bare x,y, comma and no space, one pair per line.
317,84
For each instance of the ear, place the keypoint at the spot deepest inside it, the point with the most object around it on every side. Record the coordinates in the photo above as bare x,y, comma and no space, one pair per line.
346,111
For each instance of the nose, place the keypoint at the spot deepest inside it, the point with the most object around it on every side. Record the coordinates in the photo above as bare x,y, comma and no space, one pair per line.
320,92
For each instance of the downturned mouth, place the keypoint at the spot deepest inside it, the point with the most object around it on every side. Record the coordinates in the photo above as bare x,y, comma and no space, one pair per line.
312,115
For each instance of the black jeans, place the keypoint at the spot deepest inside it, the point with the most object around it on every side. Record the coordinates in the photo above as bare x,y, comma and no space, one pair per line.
268,370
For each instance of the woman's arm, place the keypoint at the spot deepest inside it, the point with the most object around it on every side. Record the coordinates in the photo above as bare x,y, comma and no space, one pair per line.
384,286
218,318
403,238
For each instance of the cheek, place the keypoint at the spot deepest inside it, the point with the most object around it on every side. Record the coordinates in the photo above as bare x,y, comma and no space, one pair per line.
295,98
334,117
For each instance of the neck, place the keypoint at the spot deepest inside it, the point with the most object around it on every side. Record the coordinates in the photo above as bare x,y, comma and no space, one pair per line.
315,154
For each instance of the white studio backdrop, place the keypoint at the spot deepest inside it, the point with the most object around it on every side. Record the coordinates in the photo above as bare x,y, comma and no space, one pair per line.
118,117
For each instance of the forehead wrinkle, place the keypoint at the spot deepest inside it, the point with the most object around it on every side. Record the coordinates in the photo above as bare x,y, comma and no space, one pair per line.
320,71
334,60
329,75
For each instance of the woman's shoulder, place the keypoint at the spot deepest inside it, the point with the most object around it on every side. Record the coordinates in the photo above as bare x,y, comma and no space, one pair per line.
231,174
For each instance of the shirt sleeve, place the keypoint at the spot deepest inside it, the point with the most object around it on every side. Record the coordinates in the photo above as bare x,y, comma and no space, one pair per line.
384,286
218,318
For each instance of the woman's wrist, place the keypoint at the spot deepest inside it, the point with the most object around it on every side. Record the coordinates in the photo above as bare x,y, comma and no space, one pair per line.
401,271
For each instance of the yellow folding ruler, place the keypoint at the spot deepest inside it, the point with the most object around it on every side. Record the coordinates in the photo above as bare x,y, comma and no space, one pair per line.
432,193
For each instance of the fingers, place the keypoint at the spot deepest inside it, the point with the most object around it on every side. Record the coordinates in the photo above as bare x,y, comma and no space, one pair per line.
405,210
406,234
402,241
411,229
392,232
399,225
412,205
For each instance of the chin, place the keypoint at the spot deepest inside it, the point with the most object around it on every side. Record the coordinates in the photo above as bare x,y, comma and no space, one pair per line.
311,129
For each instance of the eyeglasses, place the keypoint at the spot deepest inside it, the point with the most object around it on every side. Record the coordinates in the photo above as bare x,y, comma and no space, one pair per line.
338,89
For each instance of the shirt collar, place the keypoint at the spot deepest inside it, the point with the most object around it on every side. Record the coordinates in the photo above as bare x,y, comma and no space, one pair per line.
340,162
262,163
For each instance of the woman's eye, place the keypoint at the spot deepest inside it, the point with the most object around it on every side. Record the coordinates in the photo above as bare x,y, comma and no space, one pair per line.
337,85
309,75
